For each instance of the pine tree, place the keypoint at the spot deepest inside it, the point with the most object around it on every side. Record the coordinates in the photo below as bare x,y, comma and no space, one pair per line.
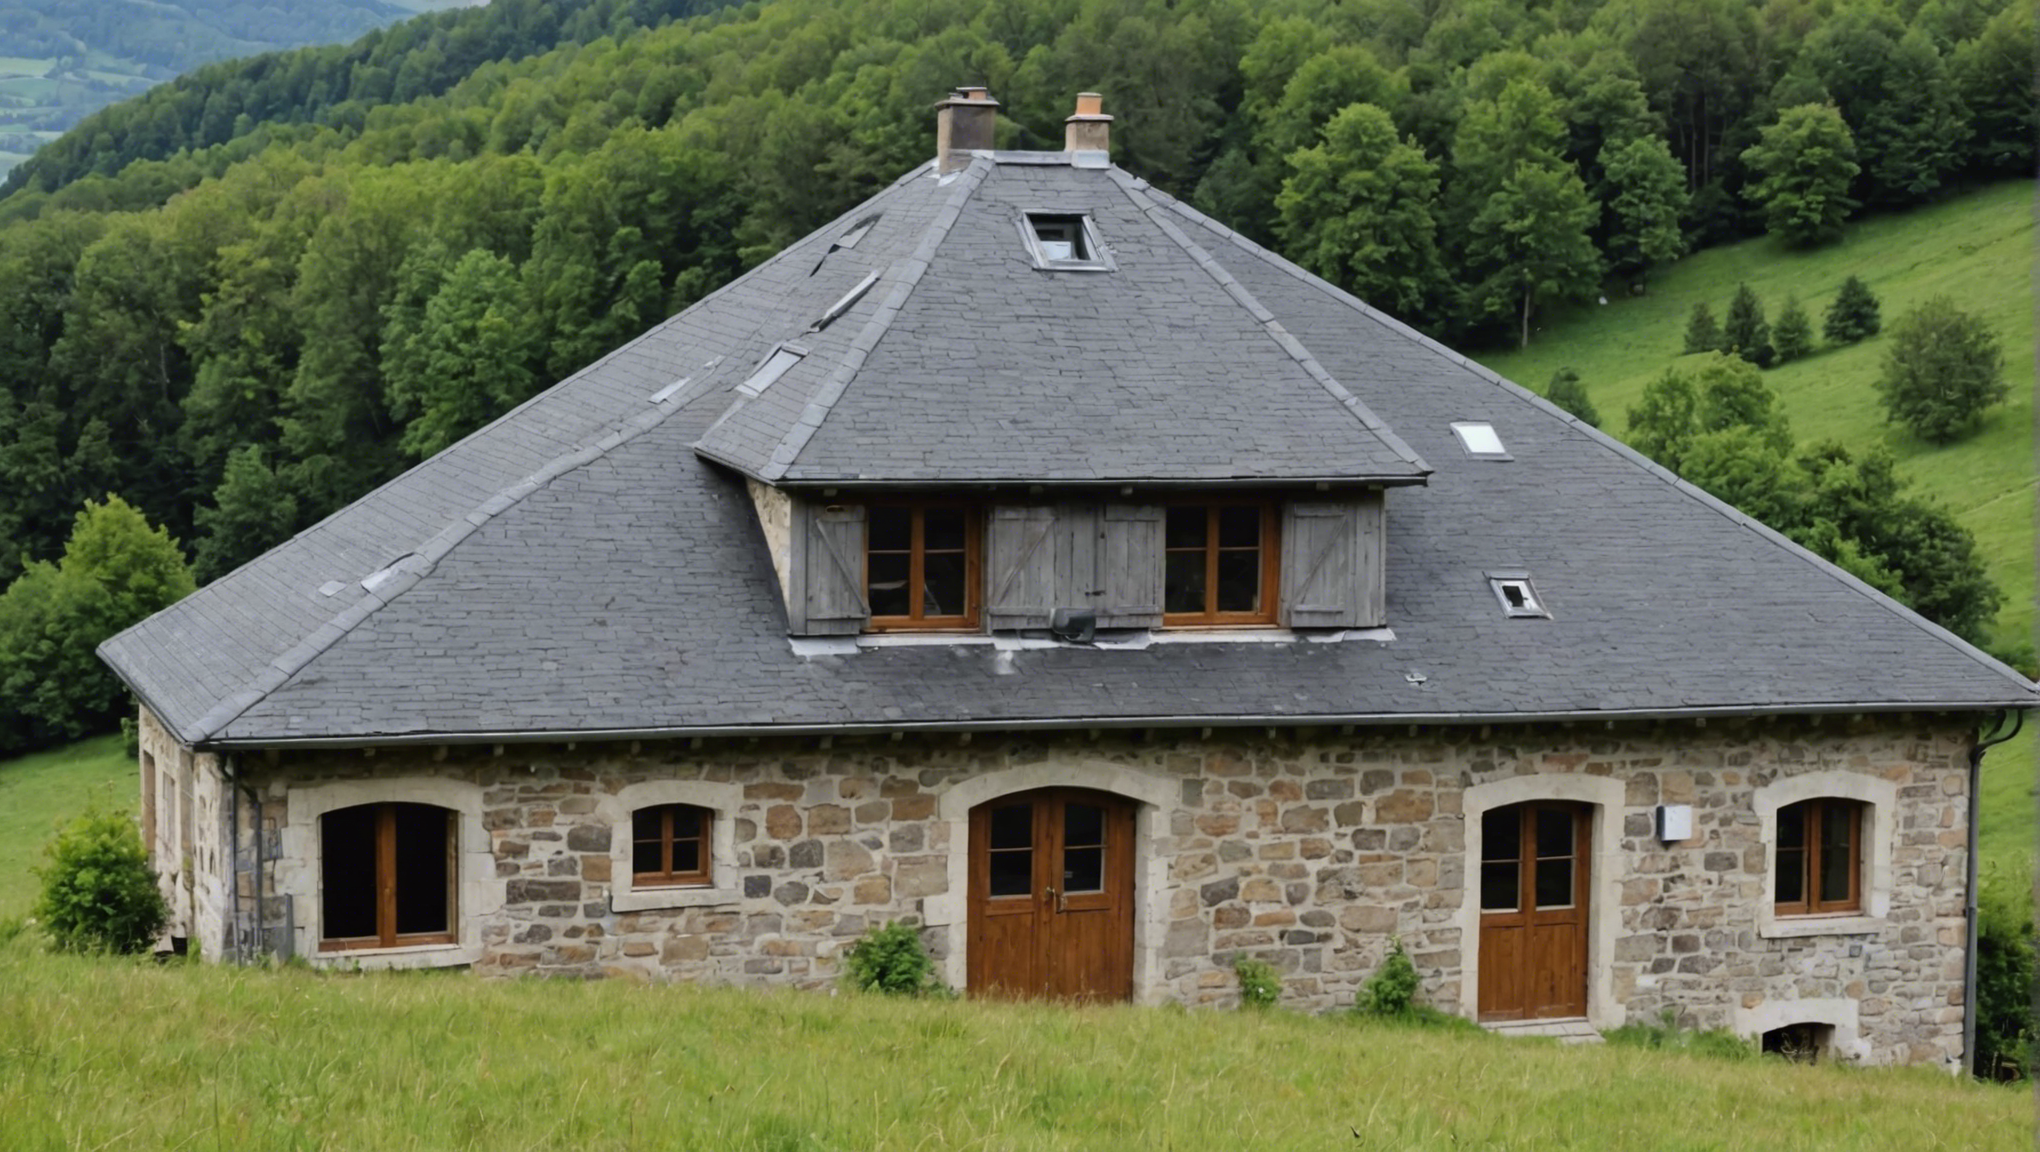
1566,391
1853,316
1702,333
1792,335
1746,333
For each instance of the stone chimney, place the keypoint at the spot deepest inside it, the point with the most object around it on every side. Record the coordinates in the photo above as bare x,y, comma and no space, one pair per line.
963,124
1090,130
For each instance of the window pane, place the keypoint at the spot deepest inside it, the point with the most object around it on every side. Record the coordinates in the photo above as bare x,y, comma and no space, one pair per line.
1083,825
1554,832
1239,526
1554,883
889,592
1837,825
1186,526
644,824
1834,873
942,586
644,857
942,528
1084,870
1239,581
892,529
422,892
347,872
1013,826
1012,872
1501,835
1183,582
1792,826
686,856
1498,887
1790,886
686,822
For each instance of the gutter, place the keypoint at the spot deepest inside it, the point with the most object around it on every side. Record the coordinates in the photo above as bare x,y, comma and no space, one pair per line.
1983,744
1084,723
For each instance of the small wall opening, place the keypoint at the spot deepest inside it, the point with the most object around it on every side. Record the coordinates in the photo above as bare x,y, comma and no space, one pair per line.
1800,1043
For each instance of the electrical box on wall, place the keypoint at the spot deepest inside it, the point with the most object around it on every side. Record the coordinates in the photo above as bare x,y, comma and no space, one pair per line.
1674,822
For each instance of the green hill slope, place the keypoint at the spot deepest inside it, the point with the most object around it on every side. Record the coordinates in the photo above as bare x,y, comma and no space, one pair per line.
1976,249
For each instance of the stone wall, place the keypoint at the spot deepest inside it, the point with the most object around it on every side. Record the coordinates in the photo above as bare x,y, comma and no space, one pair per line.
1308,849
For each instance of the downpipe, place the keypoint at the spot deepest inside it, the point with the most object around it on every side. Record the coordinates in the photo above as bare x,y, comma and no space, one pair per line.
1984,743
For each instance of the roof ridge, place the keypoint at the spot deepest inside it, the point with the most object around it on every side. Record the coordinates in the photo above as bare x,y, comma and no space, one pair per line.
1135,189
1609,441
412,567
837,382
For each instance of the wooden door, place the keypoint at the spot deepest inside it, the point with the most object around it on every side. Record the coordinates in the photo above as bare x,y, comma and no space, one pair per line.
1533,911
1051,896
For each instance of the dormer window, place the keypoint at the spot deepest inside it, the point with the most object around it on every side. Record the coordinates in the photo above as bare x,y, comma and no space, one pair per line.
1062,241
921,565
1219,564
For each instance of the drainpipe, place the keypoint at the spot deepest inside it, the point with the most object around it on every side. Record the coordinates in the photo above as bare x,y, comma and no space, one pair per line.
230,767
1983,744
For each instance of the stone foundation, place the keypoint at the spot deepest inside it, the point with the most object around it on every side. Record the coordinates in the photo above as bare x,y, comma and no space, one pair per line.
1307,848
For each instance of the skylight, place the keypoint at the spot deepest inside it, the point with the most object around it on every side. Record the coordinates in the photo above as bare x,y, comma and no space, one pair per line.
1516,595
1063,240
775,366
1480,440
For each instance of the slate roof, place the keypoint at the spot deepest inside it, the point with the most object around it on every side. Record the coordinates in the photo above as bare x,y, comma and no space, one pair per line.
578,568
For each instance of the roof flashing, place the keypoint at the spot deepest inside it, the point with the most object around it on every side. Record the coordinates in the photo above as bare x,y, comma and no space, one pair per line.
777,364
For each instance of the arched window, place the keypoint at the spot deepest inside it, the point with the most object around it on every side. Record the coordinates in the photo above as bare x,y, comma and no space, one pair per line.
386,876
672,846
1819,857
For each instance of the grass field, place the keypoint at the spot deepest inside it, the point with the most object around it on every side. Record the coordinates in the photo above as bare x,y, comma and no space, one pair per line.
38,792
1977,249
108,1054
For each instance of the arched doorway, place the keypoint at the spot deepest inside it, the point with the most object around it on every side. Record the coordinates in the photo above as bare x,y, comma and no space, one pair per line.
1051,895
1534,910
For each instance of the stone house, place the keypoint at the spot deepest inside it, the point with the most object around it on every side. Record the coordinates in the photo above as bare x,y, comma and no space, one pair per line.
1028,557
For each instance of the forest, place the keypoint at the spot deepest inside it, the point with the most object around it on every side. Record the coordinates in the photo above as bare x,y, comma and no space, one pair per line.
240,301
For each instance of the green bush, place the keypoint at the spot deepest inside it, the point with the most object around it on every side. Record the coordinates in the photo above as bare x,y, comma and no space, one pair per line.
99,893
1566,391
1260,984
1392,990
890,960
2006,1030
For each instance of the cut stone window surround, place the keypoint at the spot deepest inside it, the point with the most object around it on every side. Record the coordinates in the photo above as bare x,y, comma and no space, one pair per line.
1879,798
720,801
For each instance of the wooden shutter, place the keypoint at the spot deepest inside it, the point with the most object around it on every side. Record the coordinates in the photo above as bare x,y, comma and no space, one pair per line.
1023,554
1331,563
832,572
1129,567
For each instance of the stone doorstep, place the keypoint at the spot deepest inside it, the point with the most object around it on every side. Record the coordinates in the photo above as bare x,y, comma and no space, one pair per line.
1566,1030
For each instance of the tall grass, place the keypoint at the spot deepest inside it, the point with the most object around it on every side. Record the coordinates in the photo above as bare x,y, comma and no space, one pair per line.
39,792
99,1053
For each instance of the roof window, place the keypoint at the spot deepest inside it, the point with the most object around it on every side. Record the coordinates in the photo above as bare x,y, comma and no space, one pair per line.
1063,240
776,365
1480,440
1516,595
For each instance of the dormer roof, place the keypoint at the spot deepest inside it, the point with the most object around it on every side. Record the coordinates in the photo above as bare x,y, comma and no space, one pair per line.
962,357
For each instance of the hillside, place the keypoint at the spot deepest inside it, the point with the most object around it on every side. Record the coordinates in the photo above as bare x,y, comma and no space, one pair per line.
61,61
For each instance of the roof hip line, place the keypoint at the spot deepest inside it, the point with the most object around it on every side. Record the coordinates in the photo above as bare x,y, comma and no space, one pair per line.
414,566
912,269
1135,191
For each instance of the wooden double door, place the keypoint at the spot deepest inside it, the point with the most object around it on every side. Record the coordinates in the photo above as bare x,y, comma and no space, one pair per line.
1533,911
1051,896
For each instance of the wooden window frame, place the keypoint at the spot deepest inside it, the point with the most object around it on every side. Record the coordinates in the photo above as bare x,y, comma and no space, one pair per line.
973,565
1807,860
387,935
704,840
1271,566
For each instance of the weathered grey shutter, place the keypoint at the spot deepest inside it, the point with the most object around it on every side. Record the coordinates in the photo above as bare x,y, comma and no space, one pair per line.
1129,566
1022,561
832,571
1331,563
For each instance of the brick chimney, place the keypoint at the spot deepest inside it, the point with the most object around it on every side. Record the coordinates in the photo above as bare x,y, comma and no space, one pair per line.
963,124
1090,130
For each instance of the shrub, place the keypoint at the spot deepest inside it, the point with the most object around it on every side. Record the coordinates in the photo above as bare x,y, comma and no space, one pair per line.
1666,1034
1792,335
2006,1030
1854,314
98,892
1942,369
1702,333
1566,391
1746,333
1260,985
1392,990
890,960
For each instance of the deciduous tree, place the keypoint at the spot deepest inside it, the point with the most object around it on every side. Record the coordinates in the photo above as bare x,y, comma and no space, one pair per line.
1942,368
1357,210
1805,161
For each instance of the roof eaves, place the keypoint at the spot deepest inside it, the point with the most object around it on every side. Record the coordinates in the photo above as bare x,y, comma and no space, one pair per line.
1135,189
909,273
1608,441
